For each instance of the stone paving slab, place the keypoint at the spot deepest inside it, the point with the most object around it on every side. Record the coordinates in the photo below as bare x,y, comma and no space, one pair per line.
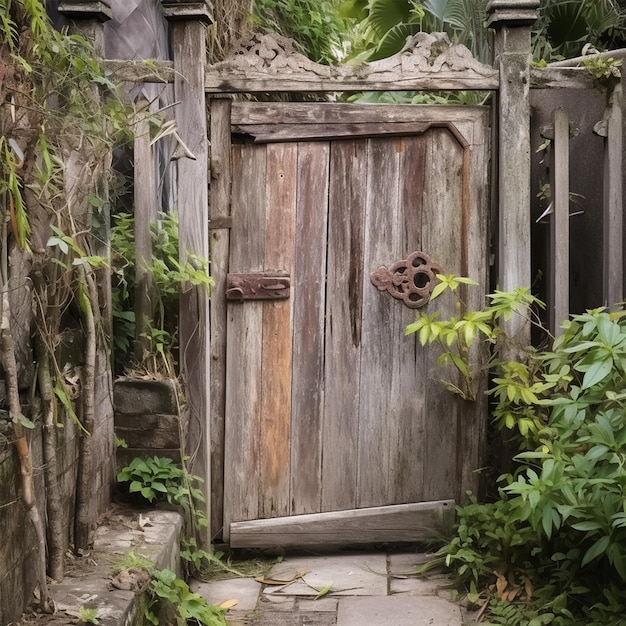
350,575
398,610
245,590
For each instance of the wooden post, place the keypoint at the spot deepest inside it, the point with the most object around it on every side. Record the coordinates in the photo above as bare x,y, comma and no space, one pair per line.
559,224
145,201
613,237
511,20
220,193
188,40
87,17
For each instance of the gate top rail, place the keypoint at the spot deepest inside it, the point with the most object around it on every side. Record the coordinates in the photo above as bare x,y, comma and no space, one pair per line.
270,63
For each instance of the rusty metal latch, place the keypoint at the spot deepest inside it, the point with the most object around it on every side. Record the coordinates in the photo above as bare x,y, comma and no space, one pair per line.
258,286
411,280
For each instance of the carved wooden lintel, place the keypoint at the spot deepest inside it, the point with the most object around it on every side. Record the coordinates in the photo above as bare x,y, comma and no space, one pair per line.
270,63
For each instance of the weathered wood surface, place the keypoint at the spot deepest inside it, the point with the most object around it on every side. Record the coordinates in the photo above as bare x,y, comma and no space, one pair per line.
345,406
219,243
244,341
404,522
267,133
308,327
513,251
559,224
187,37
145,212
143,71
561,78
613,239
276,367
344,311
295,113
269,63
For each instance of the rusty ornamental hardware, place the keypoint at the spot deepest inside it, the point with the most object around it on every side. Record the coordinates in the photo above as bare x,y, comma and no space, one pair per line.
258,286
411,280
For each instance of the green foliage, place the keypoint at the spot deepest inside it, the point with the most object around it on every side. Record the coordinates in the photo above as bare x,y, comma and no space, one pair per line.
159,479
565,26
169,275
88,615
171,596
314,25
550,550
457,335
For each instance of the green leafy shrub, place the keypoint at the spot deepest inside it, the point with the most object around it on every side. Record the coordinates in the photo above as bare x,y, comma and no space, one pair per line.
551,548
168,276
171,599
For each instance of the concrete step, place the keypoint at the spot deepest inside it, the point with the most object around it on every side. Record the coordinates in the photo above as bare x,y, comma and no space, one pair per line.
153,534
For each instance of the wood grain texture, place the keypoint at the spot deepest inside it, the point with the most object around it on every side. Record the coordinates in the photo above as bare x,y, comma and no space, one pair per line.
410,367
268,133
558,277
613,239
341,113
309,289
378,408
219,208
245,341
360,402
406,522
276,366
441,240
192,176
344,306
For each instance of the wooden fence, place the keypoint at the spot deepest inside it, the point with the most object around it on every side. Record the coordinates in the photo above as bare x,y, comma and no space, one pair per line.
265,66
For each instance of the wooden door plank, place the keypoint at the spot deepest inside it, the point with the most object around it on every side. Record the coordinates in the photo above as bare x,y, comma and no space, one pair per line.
378,408
443,242
405,522
244,349
337,113
308,327
472,439
411,369
277,334
219,241
344,302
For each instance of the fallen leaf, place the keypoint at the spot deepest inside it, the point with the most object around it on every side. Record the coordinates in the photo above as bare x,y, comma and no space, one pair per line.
279,581
501,585
323,591
228,604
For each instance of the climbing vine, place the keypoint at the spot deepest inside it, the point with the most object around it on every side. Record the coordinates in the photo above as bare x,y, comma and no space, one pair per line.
56,136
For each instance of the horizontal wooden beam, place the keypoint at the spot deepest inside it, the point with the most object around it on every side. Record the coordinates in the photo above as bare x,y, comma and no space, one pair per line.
397,523
561,78
143,71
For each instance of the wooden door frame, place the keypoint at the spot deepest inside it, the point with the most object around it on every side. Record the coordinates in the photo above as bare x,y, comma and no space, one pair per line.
466,126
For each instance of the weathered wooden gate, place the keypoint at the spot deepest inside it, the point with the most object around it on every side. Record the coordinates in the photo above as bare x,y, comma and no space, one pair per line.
335,426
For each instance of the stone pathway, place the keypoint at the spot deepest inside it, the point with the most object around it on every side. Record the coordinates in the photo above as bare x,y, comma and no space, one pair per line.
354,589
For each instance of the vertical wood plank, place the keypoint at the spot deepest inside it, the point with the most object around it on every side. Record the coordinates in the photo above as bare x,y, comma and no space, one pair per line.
472,438
344,305
410,368
277,334
244,348
378,407
442,241
219,203
145,210
308,327
559,224
613,243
